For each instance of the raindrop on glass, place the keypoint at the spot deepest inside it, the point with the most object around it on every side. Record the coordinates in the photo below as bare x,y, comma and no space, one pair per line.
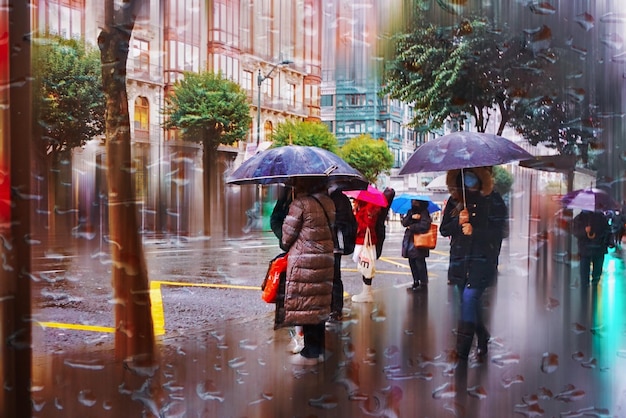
507,382
208,391
236,362
477,392
552,304
585,20
549,362
578,328
87,398
324,402
447,390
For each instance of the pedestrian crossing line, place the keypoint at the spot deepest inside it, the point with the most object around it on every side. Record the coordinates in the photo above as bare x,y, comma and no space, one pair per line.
381,271
79,327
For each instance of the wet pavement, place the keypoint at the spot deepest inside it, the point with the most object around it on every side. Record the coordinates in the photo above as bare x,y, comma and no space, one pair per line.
558,348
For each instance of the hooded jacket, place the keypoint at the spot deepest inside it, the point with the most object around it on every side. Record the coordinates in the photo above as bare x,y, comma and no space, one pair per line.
474,258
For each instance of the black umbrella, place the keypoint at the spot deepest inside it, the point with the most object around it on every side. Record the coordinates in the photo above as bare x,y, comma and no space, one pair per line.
463,149
282,164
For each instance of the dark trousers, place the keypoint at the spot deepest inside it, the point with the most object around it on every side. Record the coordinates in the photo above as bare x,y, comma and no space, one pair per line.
313,340
585,267
419,270
336,304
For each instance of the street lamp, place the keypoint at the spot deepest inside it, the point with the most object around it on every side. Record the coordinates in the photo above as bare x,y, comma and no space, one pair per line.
259,81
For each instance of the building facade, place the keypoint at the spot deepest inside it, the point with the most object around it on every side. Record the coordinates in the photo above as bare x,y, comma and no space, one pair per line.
246,41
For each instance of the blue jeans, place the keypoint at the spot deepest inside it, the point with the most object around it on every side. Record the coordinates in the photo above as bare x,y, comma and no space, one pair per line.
471,305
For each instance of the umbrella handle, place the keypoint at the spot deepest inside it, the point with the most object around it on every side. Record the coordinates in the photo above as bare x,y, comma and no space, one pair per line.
463,188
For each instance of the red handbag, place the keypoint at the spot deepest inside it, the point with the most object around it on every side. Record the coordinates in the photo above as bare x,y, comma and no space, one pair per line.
271,282
427,240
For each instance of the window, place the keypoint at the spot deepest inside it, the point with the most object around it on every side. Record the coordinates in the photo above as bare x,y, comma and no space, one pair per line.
246,80
291,94
141,55
65,20
355,99
142,114
327,100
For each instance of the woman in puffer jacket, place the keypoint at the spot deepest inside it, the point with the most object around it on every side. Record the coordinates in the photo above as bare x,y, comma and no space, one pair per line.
416,221
310,267
476,219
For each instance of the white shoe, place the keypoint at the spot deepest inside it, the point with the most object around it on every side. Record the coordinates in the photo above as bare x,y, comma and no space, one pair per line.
365,295
296,344
300,360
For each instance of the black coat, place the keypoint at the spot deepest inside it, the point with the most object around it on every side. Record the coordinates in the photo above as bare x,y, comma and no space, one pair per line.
415,226
596,242
474,258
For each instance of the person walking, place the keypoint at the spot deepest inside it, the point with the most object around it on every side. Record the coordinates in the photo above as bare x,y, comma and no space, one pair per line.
591,230
475,218
345,239
416,221
308,235
366,217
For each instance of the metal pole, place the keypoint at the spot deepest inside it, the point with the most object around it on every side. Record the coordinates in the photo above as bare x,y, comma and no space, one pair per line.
259,81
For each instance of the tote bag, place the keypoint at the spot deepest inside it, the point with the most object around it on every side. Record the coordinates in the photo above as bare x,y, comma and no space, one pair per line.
426,240
367,257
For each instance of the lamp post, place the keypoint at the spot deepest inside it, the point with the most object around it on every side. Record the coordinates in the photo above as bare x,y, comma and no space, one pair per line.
259,81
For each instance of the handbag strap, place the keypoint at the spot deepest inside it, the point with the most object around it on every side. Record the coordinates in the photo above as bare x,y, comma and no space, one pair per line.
332,233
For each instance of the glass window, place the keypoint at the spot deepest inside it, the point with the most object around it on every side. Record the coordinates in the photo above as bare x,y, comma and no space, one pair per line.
327,100
142,113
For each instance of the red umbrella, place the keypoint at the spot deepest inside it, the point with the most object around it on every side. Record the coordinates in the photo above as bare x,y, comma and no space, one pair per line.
371,195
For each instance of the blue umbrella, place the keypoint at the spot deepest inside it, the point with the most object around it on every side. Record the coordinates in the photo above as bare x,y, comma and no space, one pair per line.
402,203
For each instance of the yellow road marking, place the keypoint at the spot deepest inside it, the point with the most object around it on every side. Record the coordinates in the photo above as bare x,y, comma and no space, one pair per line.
79,327
156,298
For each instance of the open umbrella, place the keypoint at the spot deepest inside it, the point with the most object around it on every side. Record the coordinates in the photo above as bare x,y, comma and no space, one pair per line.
371,195
282,164
590,199
463,149
402,203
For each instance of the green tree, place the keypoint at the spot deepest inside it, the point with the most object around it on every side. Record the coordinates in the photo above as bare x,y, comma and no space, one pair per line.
211,110
305,133
71,101
503,180
370,156
69,109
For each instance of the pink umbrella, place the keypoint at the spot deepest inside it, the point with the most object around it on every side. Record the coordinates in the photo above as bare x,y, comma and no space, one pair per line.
371,195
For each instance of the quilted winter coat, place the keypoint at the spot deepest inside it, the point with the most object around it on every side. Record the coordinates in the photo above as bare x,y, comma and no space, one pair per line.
310,267
474,258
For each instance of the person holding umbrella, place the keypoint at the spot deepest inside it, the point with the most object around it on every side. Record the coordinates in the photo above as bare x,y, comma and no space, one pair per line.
475,217
591,229
307,234
416,221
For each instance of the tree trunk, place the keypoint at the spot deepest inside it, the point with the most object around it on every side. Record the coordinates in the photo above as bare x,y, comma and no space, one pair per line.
209,164
134,335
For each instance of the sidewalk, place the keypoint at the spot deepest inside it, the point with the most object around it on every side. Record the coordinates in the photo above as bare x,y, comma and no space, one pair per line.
557,349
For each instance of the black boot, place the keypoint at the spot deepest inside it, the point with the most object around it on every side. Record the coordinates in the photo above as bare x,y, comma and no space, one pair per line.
483,336
464,338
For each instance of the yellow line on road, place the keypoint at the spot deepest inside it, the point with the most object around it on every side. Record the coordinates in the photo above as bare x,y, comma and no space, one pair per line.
79,327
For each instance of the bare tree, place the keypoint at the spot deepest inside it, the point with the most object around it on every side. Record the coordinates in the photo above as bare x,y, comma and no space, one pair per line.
134,336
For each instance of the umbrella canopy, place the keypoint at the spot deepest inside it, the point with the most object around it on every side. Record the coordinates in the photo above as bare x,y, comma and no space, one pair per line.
590,199
463,150
371,195
282,164
402,203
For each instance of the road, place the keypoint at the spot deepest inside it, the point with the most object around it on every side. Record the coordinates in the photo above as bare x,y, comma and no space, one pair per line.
194,284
